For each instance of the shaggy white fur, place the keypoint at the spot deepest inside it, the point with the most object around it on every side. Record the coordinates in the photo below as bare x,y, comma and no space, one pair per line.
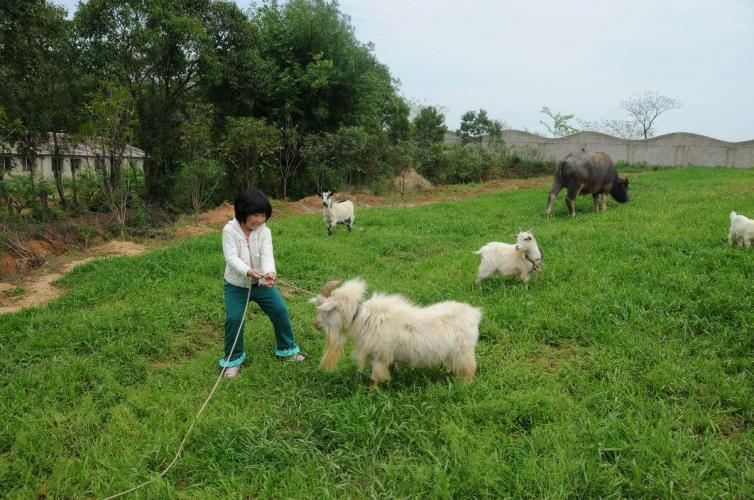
741,230
520,259
341,212
389,329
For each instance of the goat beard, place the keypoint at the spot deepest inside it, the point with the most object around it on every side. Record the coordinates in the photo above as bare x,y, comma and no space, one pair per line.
333,350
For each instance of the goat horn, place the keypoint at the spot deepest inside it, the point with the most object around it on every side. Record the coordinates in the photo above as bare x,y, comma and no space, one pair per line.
329,287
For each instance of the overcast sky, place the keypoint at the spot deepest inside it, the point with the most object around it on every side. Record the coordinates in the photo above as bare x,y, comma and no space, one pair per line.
578,56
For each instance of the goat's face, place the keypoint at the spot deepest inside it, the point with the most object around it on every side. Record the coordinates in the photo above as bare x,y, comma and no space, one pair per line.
525,242
327,198
324,312
329,317
334,308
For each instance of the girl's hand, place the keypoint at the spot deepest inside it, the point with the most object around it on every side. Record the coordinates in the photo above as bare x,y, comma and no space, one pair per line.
253,273
269,279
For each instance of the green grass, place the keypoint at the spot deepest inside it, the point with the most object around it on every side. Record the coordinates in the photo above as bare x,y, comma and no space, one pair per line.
626,369
16,291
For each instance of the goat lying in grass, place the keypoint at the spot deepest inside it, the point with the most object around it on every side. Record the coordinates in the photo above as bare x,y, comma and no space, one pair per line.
520,259
334,213
741,230
388,329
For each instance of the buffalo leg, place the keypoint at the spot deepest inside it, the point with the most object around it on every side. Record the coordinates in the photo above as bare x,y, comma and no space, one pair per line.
596,200
553,194
571,198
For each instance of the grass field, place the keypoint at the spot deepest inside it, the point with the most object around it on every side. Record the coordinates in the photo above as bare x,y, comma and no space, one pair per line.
626,369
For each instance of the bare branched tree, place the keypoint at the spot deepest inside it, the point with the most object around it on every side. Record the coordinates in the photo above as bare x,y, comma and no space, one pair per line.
646,106
625,129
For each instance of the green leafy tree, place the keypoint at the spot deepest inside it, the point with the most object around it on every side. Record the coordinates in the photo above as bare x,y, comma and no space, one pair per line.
289,156
475,126
325,77
318,151
251,144
429,126
161,52
560,126
37,68
200,174
107,133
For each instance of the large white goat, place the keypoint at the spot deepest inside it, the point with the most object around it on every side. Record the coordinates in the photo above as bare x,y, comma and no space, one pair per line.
388,329
340,212
520,259
741,230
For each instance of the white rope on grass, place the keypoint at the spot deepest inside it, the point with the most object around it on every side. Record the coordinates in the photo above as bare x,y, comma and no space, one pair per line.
198,414
206,401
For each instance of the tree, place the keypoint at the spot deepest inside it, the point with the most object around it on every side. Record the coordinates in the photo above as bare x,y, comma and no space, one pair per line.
560,126
350,146
249,145
36,66
318,151
646,106
429,126
108,132
289,154
160,52
198,180
475,126
625,129
325,77
199,175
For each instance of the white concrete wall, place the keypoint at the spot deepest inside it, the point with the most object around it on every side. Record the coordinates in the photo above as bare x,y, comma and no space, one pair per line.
668,150
674,149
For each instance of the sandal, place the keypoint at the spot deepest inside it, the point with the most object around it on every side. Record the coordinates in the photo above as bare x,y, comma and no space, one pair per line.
293,358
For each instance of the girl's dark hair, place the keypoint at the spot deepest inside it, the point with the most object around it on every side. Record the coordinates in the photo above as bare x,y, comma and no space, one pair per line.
252,201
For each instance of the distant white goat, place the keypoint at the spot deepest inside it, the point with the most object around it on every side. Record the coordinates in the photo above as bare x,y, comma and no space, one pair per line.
520,259
340,212
741,230
389,329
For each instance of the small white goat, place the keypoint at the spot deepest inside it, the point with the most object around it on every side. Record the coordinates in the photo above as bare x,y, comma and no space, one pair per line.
741,230
334,213
389,329
520,259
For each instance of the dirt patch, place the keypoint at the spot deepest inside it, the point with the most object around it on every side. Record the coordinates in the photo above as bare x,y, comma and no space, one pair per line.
423,193
128,248
39,287
219,215
188,231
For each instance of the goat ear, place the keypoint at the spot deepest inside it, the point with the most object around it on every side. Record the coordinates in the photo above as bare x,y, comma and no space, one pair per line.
327,306
319,194
316,300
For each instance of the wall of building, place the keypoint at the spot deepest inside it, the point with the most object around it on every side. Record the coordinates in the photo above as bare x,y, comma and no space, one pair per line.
674,149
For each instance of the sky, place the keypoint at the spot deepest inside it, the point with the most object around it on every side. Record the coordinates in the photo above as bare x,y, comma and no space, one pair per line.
582,57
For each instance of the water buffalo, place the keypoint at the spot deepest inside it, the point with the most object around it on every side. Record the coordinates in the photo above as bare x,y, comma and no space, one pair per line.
584,173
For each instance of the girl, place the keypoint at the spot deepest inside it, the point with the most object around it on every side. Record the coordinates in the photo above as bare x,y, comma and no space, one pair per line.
247,246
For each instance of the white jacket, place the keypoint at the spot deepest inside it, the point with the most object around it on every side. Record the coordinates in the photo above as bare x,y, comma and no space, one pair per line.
240,255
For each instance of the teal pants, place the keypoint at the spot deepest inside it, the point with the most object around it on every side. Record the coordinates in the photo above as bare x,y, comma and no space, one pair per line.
272,304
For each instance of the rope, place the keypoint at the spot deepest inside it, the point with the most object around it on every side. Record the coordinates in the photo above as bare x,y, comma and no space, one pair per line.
294,287
206,401
198,414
